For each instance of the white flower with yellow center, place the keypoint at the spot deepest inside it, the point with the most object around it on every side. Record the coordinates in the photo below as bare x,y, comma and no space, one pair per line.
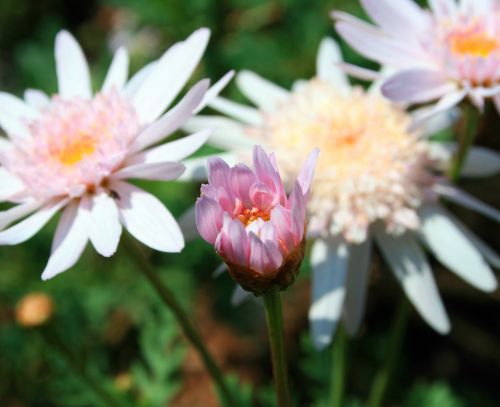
376,182
75,151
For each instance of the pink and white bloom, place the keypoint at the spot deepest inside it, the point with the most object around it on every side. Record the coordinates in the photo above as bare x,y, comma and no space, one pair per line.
254,226
76,150
377,184
447,53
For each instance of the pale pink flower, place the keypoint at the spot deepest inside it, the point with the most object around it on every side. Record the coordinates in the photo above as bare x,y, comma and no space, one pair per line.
251,222
447,53
75,150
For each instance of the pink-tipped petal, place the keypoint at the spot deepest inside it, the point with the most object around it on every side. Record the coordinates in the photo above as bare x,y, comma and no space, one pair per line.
264,257
281,219
306,174
262,197
242,178
209,217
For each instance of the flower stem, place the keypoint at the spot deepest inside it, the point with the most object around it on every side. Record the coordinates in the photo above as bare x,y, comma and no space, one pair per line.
190,332
55,342
274,318
466,133
383,376
337,384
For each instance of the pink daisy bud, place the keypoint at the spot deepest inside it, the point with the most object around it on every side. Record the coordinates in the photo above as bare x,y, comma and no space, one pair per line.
254,226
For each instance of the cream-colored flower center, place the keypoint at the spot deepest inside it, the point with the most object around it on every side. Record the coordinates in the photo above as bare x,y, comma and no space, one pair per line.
369,169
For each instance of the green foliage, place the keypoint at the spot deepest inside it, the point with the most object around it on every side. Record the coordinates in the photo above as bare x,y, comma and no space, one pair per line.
155,376
437,394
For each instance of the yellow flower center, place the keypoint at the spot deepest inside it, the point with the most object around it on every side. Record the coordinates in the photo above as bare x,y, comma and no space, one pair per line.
72,151
247,216
474,43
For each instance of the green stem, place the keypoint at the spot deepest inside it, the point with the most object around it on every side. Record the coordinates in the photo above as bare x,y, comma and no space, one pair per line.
466,134
395,343
337,384
190,332
55,342
274,318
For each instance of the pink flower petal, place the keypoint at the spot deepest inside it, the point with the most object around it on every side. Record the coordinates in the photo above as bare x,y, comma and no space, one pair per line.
262,197
209,216
242,178
264,257
306,174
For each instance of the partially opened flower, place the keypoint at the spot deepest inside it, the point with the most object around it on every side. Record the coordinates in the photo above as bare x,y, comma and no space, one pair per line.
75,151
377,182
446,54
257,230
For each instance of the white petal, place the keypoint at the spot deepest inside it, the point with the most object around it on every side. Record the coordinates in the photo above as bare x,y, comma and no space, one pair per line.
227,133
452,248
491,256
27,228
356,285
245,114
15,115
73,75
481,162
329,56
160,171
17,212
214,91
410,267
147,219
435,123
69,241
169,76
196,168
104,228
447,102
329,262
117,72
239,295
135,82
36,98
172,120
265,94
10,185
462,198
174,151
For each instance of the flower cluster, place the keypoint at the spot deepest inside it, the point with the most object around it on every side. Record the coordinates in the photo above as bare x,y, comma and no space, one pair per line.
379,182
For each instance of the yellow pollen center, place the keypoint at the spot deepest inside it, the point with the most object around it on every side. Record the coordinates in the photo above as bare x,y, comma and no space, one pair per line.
74,150
478,44
249,215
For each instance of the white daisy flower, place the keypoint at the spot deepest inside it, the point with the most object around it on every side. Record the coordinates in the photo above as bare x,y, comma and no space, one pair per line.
75,150
376,182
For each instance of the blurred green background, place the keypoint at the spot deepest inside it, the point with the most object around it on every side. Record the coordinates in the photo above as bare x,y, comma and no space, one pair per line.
110,320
